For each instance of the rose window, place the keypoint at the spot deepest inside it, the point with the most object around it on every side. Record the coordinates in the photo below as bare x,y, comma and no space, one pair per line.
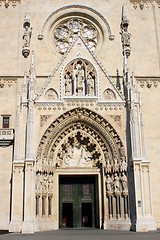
66,31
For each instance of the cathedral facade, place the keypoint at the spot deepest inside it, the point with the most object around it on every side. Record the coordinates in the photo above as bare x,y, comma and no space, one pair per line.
80,136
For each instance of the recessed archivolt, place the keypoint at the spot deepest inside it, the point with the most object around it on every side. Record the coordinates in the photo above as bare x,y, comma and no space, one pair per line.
79,124
111,36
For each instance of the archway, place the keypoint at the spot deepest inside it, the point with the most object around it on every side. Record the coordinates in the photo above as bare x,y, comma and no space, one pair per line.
81,142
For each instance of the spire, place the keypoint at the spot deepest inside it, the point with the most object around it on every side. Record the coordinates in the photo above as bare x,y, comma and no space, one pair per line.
27,16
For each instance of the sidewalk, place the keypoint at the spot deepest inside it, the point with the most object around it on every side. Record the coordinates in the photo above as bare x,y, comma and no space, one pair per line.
95,234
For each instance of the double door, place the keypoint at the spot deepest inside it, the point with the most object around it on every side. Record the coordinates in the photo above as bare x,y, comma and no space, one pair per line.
78,202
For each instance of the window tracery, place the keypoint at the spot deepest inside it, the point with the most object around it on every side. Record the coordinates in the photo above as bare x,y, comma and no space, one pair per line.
79,78
66,31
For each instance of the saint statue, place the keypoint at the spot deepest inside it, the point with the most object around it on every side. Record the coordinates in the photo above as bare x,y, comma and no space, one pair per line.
124,182
27,37
108,183
68,82
90,85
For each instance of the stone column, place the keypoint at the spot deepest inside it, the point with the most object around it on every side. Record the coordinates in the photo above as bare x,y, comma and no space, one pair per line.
17,198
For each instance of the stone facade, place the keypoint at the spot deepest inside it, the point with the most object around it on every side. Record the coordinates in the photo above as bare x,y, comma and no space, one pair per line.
79,97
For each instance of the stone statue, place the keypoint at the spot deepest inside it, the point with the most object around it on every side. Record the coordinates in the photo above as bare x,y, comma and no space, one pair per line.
108,183
115,166
68,82
126,36
90,85
44,183
50,184
116,183
124,182
108,167
123,165
27,36
79,78
38,183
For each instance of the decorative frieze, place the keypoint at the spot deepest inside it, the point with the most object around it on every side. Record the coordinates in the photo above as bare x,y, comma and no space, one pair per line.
9,2
148,82
7,82
142,4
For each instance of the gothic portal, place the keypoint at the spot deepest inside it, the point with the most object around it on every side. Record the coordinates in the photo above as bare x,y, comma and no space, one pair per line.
79,142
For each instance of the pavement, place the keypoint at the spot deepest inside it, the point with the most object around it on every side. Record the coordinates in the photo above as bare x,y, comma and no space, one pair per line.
89,234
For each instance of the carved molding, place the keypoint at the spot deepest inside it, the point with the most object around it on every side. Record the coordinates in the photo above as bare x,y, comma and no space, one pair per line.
7,82
111,36
142,4
148,82
84,120
9,2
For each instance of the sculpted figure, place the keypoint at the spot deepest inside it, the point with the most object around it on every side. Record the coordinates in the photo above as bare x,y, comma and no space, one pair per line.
68,85
38,182
50,184
116,183
108,183
79,78
124,182
27,37
90,85
126,36
44,183
108,166
123,165
115,166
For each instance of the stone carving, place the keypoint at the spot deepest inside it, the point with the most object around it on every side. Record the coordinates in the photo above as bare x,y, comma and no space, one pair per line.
27,33
123,165
108,184
51,94
7,82
78,150
151,82
144,3
116,185
115,165
108,95
125,35
124,182
117,119
79,78
44,182
78,156
43,119
68,85
7,2
66,31
90,85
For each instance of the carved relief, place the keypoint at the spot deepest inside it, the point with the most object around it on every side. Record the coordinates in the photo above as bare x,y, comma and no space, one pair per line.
79,78
51,94
117,119
108,94
43,119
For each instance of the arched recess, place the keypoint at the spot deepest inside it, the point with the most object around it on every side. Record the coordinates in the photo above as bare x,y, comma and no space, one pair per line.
83,139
